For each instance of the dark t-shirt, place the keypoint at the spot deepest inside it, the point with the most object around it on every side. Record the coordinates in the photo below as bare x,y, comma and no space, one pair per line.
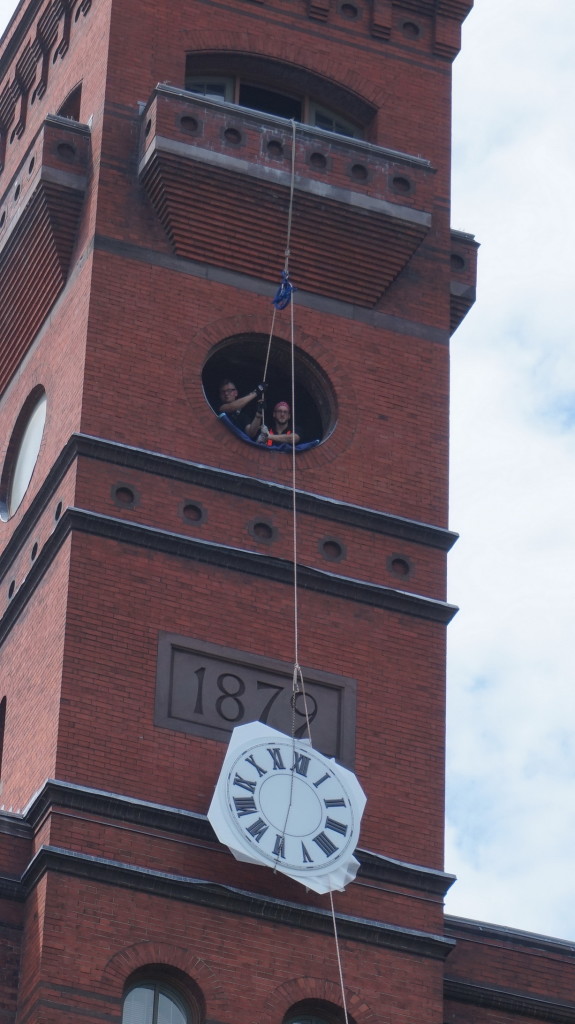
240,418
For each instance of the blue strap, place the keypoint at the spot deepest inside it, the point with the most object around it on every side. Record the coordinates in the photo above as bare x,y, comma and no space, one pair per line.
301,447
283,295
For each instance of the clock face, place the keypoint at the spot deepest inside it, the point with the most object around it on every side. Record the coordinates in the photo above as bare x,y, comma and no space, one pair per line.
289,807
286,803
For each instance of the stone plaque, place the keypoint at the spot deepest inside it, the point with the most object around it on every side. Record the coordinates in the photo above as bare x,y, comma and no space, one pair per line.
207,690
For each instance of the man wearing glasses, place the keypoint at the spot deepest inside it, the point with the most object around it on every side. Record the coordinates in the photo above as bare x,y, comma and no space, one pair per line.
235,408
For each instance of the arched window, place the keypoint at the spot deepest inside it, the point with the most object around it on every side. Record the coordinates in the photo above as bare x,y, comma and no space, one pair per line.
155,1003
278,89
161,994
315,1011
301,108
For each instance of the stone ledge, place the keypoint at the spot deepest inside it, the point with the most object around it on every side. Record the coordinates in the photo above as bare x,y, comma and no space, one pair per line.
232,900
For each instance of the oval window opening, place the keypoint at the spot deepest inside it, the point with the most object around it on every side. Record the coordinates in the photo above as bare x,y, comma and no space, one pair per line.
22,454
241,360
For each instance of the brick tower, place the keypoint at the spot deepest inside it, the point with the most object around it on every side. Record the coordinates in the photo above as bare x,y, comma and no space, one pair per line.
147,152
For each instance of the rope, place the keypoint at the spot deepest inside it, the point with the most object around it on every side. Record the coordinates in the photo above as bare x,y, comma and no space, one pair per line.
286,289
283,298
346,1018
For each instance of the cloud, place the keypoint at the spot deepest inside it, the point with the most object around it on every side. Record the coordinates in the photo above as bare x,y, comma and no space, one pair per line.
511,757
7,8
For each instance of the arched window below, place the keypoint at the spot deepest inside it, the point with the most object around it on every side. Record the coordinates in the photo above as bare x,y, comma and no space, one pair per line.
301,108
155,1003
161,994
315,1011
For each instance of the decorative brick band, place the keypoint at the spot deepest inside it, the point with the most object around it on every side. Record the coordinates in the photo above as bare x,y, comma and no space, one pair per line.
266,492
238,559
493,997
175,821
232,900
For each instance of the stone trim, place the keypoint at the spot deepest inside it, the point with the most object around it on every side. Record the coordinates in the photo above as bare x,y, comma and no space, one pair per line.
232,900
196,474
481,931
254,563
493,997
176,821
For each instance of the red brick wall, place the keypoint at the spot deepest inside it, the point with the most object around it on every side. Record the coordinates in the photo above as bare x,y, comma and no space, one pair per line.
80,970
513,960
121,357
31,679
389,447
120,597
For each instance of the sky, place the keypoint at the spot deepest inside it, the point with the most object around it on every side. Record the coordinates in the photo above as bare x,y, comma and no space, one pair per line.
511,698
511,704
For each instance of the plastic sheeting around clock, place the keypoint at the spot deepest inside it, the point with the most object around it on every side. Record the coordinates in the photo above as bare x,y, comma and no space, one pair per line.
282,804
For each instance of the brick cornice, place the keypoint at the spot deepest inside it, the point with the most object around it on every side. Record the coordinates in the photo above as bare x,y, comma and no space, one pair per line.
484,932
197,474
173,820
11,889
280,570
396,872
177,821
232,900
493,997
456,9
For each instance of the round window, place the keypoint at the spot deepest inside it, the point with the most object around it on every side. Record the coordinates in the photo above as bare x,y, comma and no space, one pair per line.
22,453
241,359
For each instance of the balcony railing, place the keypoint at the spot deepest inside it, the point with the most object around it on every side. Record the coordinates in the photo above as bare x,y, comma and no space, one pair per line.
219,177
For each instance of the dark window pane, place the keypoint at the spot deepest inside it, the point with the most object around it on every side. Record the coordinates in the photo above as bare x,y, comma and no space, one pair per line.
213,88
270,102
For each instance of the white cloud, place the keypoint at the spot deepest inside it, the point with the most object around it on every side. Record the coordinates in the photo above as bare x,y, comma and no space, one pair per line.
511,823
7,8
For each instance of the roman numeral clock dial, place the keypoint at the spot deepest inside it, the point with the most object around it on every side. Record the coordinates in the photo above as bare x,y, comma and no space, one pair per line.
280,803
